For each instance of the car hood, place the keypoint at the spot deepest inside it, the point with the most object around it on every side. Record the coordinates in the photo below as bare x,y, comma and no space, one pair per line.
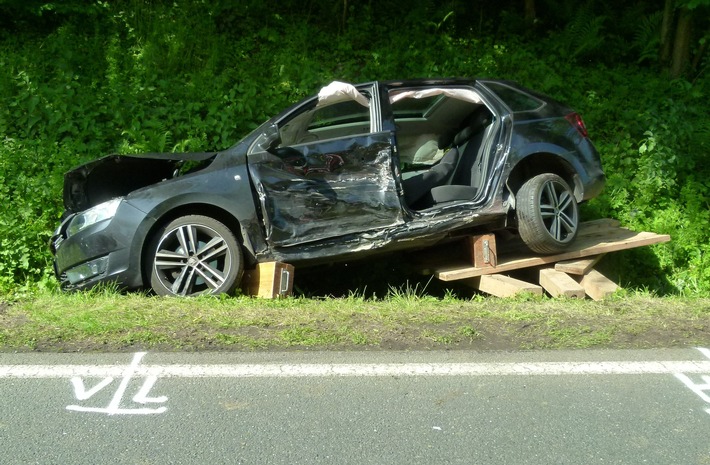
117,175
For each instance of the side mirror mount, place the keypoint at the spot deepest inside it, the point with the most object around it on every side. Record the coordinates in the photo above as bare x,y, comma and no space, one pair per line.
269,139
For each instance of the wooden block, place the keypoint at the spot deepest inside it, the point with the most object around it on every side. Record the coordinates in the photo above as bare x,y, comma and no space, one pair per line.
597,286
269,280
502,286
578,267
559,284
483,250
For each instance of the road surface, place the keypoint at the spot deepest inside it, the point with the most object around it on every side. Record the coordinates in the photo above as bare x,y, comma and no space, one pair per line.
579,407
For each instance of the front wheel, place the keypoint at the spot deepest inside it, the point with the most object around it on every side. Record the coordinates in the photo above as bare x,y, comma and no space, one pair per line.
548,214
194,255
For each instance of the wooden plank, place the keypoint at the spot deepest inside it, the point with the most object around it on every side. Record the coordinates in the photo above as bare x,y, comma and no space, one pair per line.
578,267
269,280
597,286
502,286
596,225
513,244
589,244
559,284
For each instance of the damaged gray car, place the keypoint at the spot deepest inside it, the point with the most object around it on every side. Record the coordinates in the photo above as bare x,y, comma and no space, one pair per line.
354,171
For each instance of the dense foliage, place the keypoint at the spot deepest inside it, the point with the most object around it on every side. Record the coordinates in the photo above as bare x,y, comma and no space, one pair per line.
80,79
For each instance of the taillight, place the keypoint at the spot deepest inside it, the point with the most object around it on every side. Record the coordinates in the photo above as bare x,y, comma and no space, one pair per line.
576,121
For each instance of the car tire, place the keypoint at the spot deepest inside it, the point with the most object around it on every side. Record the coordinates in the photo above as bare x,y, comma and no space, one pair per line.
194,255
548,214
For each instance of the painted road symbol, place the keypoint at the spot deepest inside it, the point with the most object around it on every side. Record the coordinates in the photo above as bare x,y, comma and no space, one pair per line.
114,407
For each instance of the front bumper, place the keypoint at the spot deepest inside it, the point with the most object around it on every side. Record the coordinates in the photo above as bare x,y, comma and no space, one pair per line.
108,251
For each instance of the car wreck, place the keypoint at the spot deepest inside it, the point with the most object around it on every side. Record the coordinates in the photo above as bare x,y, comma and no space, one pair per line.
354,171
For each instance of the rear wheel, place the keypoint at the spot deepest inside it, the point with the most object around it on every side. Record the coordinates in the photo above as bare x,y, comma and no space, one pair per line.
194,255
548,214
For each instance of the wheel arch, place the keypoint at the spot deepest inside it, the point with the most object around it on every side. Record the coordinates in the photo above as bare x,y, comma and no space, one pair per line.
544,162
204,209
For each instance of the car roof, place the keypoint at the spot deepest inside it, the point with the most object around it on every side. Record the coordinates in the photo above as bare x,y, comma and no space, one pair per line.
429,82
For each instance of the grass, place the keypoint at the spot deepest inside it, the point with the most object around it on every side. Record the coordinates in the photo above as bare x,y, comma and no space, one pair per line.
405,320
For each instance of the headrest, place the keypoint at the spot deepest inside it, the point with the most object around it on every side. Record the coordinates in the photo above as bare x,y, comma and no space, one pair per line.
446,140
473,123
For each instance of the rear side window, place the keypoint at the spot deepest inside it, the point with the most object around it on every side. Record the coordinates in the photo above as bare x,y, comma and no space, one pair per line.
516,100
415,107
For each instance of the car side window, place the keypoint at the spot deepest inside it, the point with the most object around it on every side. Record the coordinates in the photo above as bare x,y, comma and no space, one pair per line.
517,101
317,123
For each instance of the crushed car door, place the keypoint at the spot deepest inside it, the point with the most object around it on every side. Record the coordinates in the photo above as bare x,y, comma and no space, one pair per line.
323,173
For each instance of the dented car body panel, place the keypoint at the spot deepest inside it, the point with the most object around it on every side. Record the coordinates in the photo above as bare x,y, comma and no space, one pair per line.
327,189
354,171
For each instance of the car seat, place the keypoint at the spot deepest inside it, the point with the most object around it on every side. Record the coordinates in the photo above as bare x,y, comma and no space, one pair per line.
417,186
450,179
470,143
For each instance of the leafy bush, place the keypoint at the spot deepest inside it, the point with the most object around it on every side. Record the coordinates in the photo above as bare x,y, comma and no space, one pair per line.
131,76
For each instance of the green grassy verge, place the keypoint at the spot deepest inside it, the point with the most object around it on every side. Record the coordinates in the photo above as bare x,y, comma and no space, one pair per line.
104,321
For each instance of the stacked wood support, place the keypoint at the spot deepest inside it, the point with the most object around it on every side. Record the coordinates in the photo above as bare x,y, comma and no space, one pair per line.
567,274
488,262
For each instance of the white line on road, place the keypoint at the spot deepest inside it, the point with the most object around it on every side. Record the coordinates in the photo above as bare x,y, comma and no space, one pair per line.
358,369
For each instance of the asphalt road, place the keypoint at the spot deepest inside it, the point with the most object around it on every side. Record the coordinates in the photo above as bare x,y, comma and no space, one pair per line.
581,407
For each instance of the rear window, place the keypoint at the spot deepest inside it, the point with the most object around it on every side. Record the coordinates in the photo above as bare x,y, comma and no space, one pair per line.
414,107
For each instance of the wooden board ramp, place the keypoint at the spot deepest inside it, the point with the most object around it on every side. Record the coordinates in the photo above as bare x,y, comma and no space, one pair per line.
567,274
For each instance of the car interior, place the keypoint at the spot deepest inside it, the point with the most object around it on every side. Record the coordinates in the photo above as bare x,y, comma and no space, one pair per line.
440,135
441,148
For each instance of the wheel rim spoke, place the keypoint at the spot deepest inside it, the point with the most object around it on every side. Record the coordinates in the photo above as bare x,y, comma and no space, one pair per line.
213,247
564,201
557,210
167,258
567,222
183,282
548,211
212,277
555,228
182,240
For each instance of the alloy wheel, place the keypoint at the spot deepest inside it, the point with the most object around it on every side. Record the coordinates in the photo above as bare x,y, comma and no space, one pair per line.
196,255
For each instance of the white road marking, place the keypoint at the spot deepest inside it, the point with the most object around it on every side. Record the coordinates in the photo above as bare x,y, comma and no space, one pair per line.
357,370
698,388
80,391
679,368
114,407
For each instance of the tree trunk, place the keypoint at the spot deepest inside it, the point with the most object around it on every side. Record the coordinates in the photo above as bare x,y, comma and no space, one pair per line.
666,29
681,44
344,22
530,11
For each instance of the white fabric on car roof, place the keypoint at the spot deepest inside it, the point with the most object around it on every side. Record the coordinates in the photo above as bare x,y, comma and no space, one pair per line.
466,95
337,92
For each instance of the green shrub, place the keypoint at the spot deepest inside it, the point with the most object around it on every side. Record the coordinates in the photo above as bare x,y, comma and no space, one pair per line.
133,77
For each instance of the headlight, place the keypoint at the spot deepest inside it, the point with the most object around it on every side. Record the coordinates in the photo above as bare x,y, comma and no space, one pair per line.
100,212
